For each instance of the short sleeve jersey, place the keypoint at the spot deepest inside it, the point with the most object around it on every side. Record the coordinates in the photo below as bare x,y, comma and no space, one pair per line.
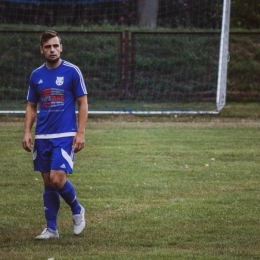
56,91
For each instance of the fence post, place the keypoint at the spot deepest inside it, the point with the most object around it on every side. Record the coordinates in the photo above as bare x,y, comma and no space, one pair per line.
132,68
126,64
120,60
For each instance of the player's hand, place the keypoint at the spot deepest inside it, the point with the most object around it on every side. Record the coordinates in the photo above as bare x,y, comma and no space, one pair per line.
27,142
78,142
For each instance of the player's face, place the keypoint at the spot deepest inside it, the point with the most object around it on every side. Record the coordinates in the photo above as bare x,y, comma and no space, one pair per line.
51,50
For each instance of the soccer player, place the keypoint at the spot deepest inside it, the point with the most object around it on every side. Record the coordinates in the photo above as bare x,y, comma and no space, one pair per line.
56,87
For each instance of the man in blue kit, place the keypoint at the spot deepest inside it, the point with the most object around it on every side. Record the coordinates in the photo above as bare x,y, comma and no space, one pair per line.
56,86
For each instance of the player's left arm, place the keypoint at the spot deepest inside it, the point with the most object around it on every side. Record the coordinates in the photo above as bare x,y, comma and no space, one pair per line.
79,139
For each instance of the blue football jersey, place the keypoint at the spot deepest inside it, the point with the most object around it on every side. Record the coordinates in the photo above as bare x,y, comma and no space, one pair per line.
56,90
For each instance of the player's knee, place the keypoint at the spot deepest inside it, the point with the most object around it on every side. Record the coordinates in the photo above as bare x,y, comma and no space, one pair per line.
58,180
56,183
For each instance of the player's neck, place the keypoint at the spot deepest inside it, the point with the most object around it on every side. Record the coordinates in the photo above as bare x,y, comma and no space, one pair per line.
53,65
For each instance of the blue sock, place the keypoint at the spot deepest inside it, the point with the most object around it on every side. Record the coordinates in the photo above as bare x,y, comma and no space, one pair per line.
51,202
68,193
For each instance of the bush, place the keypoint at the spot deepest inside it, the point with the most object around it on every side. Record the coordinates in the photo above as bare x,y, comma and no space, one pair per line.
164,65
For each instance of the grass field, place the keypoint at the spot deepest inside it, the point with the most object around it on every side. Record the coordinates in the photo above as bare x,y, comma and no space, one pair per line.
165,187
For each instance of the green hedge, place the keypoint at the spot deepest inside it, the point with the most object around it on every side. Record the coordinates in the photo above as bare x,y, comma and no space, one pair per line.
244,67
184,65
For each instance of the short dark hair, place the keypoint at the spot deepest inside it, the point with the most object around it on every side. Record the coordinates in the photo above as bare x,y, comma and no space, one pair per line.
48,34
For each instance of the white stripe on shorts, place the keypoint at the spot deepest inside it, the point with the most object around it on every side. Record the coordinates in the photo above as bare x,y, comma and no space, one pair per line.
67,158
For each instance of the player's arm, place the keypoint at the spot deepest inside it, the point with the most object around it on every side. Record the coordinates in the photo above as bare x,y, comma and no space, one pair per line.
30,116
79,140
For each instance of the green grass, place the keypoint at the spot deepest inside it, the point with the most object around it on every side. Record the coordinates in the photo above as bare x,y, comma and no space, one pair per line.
167,187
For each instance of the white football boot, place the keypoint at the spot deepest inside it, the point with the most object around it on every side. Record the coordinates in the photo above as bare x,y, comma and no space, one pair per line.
48,233
79,221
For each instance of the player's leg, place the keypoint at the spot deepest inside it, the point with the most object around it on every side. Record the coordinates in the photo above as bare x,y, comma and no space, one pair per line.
67,192
65,189
62,163
51,202
51,198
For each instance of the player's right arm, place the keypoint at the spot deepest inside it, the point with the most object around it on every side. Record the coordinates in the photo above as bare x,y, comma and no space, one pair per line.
30,116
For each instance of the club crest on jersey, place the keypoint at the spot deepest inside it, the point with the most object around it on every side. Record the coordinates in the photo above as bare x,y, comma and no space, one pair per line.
59,81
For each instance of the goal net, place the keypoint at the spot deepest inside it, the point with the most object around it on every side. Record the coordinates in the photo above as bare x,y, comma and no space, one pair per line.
136,56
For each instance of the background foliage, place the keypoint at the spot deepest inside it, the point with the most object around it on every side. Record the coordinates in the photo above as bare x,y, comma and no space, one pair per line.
245,14
159,67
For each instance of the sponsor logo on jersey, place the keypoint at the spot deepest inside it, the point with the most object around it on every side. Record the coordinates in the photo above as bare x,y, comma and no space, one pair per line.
40,82
52,97
59,81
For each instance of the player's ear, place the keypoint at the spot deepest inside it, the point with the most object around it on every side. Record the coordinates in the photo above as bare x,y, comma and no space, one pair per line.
41,50
60,47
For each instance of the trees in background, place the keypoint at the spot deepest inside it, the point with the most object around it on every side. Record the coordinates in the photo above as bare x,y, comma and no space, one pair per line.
147,13
245,14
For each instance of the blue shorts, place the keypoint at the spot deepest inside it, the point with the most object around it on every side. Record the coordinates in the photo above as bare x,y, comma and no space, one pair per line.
53,154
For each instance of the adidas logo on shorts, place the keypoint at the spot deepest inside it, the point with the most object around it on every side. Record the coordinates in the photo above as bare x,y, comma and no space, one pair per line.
63,166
